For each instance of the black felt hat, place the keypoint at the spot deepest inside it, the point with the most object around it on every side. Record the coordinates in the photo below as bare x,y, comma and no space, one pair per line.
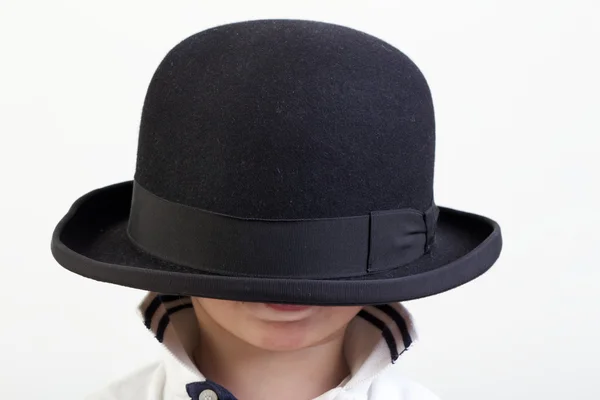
281,161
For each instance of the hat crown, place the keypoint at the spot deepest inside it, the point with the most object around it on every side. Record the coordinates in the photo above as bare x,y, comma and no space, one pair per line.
288,119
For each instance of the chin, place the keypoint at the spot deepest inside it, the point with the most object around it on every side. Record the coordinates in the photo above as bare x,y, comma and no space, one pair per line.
283,336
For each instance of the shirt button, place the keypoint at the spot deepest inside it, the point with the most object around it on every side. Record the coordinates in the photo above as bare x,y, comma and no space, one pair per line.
208,394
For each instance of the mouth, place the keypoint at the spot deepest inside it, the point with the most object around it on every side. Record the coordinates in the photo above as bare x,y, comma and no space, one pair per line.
287,307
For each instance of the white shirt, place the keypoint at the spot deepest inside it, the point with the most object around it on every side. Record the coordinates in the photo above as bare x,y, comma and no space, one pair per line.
374,341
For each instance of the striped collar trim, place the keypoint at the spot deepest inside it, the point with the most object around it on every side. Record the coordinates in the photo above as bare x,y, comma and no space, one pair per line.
377,336
170,305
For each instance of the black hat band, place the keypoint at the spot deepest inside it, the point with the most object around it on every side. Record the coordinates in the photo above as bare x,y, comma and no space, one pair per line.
324,248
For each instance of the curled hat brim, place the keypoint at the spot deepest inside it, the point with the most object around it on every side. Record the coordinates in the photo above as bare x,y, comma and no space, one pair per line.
91,240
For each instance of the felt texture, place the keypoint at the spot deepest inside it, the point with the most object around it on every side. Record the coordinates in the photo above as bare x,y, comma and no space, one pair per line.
288,119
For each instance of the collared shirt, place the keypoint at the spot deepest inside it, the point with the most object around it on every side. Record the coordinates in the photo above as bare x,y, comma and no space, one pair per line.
373,342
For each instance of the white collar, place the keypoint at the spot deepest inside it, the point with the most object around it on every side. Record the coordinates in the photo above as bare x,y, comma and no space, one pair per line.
374,339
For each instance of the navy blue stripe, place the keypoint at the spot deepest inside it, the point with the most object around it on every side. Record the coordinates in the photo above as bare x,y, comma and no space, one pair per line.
150,310
399,320
162,326
179,307
155,303
385,331
164,321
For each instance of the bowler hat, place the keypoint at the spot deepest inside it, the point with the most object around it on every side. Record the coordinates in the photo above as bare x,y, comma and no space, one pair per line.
284,161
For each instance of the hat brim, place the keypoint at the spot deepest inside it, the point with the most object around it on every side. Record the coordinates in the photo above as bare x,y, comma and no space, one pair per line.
91,240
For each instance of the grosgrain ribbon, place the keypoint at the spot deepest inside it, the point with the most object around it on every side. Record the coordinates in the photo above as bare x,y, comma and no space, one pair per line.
323,248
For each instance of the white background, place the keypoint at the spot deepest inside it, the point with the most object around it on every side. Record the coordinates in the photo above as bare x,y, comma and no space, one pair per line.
516,89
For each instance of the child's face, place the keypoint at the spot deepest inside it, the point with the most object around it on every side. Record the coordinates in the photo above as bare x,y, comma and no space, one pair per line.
273,327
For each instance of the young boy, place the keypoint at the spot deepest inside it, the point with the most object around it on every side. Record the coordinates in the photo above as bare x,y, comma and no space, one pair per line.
282,207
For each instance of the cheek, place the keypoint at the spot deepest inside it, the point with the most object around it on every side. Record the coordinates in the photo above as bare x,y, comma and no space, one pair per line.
333,319
227,314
